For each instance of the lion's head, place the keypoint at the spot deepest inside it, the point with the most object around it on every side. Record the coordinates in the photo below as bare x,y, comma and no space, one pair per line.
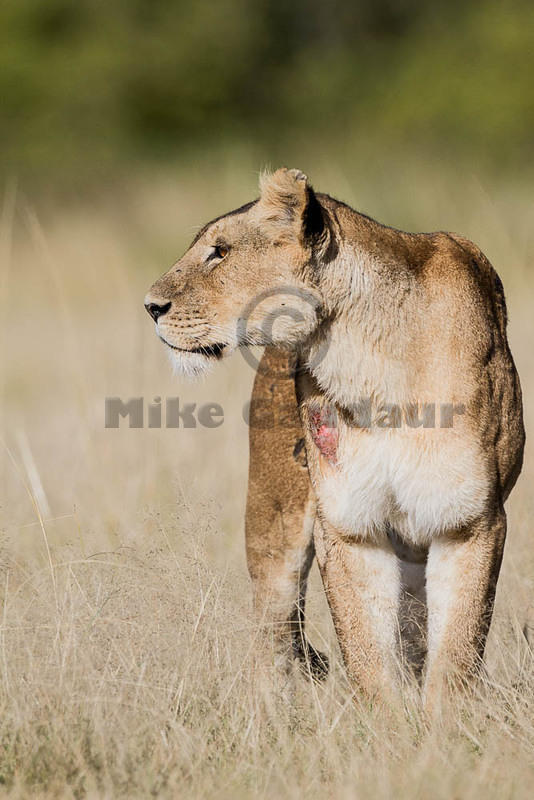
247,278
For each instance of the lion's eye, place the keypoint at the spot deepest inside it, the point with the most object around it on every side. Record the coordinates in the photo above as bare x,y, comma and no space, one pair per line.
220,251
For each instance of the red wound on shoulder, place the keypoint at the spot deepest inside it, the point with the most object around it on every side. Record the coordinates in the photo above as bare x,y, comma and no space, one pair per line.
324,431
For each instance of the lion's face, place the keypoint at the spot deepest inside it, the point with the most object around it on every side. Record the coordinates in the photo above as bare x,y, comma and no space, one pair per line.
246,279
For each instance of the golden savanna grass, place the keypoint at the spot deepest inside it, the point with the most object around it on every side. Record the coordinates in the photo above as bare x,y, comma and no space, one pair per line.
126,634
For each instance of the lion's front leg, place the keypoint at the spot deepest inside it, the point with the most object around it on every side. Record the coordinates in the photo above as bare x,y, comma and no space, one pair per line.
363,584
280,518
280,553
462,572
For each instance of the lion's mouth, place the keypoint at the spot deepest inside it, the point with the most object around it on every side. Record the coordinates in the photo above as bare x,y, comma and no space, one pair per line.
208,350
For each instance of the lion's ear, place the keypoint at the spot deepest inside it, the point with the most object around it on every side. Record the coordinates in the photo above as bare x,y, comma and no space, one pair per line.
289,204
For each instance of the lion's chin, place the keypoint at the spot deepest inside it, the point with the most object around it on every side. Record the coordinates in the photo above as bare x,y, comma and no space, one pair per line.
190,365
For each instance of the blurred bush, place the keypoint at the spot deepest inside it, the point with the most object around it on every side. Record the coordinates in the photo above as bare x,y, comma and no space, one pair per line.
87,85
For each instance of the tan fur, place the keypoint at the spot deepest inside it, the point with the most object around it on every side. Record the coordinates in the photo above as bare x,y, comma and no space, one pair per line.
280,514
399,323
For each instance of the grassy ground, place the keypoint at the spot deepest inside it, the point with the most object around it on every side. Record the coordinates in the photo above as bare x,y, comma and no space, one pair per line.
126,634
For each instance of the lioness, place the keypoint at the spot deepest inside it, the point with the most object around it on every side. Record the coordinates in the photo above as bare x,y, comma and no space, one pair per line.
402,432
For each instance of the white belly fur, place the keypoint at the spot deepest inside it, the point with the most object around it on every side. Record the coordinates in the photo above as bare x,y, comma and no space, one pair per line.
420,482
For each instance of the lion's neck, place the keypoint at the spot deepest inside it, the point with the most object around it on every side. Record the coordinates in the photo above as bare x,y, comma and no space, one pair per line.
360,350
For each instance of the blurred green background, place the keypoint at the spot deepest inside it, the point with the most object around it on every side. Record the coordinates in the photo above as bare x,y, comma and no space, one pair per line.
93,88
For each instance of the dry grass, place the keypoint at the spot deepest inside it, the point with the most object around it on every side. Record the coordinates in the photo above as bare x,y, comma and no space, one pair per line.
126,635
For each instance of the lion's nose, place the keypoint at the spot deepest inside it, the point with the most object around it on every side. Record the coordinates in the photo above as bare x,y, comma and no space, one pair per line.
156,310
